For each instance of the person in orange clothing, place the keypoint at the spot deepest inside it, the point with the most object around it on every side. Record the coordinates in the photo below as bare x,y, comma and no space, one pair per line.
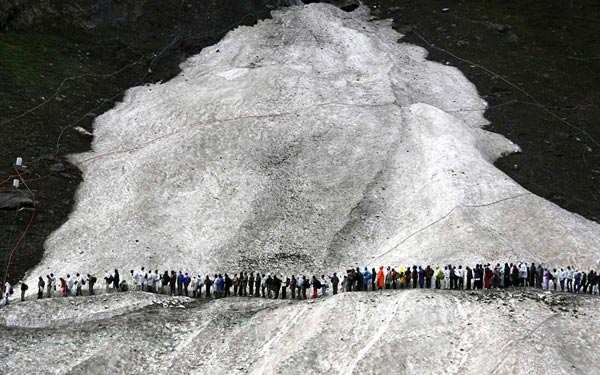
380,278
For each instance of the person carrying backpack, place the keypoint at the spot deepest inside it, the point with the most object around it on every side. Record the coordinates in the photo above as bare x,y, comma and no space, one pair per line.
316,284
24,288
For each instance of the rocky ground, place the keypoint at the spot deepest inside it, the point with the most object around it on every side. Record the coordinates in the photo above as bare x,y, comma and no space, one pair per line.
429,331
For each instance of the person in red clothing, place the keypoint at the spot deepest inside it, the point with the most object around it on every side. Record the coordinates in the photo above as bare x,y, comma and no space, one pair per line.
380,278
488,276
63,287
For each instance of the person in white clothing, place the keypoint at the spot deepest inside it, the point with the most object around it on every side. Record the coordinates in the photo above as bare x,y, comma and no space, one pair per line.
7,292
197,287
150,282
80,280
523,273
108,279
562,276
324,286
569,279
70,284
446,278
53,281
555,278
156,281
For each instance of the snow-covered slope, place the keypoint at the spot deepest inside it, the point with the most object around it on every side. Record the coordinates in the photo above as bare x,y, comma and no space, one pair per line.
310,141
401,332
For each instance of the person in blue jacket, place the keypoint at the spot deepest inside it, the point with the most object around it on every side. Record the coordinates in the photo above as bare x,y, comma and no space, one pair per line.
421,277
366,279
179,283
220,284
186,282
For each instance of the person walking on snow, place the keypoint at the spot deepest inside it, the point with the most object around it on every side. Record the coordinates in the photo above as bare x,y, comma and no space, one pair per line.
446,278
366,279
251,284
116,280
316,284
70,283
236,284
305,286
293,283
257,282
179,283
569,278
439,277
380,278
428,276
373,279
300,285
324,286
7,291
91,281
523,274
186,283
207,284
421,277
80,283
284,287
488,276
48,286
63,287
335,281
244,290
24,288
263,286
41,285
108,279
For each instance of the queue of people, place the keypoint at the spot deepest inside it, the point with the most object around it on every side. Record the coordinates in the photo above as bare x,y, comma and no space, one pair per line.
255,284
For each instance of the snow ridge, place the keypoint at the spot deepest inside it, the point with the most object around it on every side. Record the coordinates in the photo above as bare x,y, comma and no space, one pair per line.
308,142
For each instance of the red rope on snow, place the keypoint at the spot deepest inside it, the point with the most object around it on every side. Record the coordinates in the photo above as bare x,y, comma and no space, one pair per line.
180,130
12,252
